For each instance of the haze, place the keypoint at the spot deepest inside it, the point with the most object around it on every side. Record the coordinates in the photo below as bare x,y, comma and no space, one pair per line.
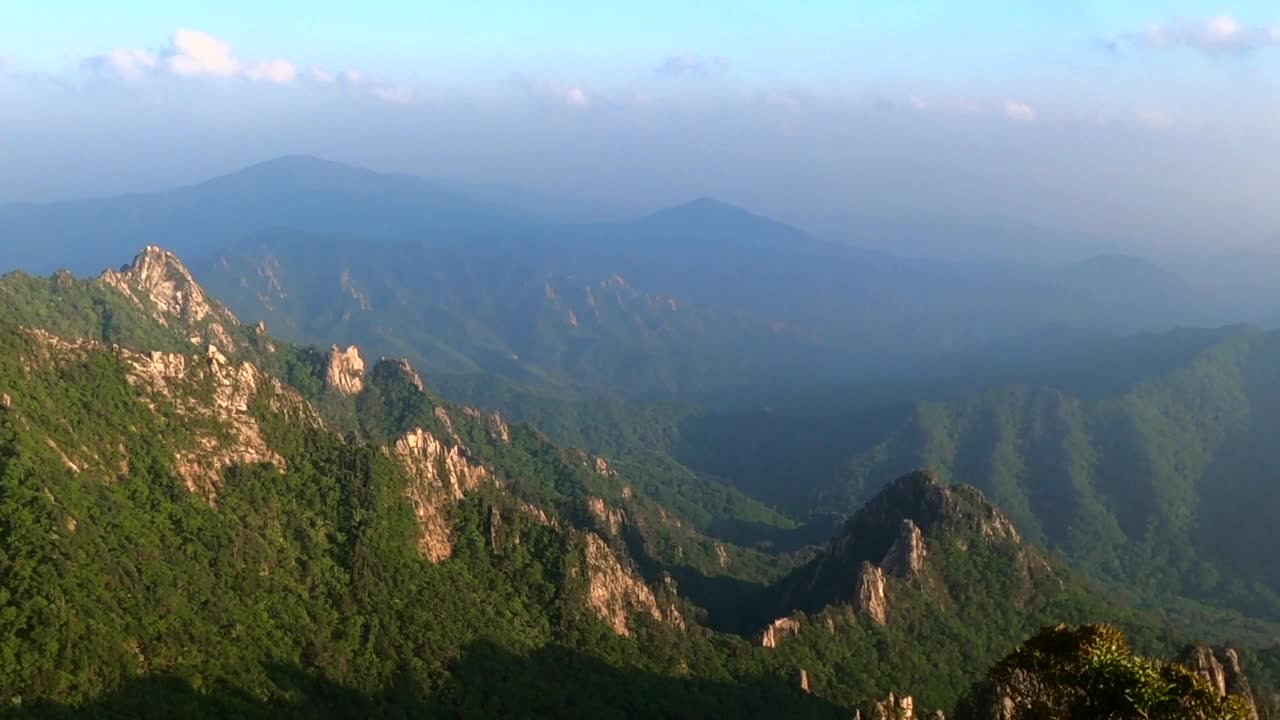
1138,126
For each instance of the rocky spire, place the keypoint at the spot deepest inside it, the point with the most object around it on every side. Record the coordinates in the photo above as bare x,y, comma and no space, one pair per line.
906,557
871,596
345,370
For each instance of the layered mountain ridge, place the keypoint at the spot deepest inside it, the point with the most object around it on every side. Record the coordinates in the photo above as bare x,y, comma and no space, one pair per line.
222,520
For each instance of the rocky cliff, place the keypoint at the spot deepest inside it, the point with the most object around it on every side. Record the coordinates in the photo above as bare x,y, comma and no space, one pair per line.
161,285
344,370
1221,668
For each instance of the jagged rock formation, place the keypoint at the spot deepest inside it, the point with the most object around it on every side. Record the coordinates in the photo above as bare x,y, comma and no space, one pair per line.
344,370
895,708
402,364
906,557
158,282
226,431
1221,668
208,394
871,595
894,538
439,477
607,518
779,629
615,592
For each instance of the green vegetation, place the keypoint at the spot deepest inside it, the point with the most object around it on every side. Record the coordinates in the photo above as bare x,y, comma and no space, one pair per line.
1162,487
1089,672
297,587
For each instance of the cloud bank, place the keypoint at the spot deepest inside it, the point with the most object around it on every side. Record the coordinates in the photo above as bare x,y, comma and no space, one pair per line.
192,54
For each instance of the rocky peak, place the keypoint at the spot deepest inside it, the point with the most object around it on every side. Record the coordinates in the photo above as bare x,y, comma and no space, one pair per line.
344,370
1221,668
158,281
890,539
402,364
906,556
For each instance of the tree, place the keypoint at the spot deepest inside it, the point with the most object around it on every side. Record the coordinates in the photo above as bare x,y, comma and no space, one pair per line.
1089,672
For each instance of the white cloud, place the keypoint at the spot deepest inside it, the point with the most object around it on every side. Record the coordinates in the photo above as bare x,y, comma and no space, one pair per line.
918,102
1221,34
691,64
192,52
1019,111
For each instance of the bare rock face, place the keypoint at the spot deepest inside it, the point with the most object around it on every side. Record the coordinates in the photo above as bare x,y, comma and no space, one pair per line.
607,518
345,370
804,680
779,629
906,557
493,422
871,596
6,402
1221,668
225,430
158,281
615,592
439,477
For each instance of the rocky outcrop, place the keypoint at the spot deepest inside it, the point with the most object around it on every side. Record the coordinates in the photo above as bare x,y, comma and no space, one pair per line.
891,539
493,422
1221,668
615,592
344,370
872,599
411,375
781,628
895,708
6,402
606,518
906,557
158,282
225,430
440,476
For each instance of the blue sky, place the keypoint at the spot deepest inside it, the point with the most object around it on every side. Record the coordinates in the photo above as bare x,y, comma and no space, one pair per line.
1106,115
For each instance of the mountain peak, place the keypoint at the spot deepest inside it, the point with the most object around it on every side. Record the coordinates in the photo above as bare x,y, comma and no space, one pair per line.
158,281
707,207
297,170
902,535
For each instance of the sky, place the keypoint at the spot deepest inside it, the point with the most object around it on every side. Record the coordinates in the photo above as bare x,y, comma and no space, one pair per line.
1148,122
